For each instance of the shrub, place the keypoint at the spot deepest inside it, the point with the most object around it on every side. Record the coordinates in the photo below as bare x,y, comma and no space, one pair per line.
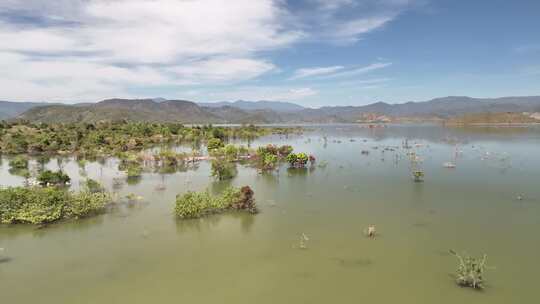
231,152
19,162
134,171
270,161
197,204
86,204
298,160
193,204
223,170
93,186
214,143
38,205
57,178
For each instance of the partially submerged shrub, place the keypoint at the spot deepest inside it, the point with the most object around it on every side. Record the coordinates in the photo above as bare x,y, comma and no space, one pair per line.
39,205
57,178
299,160
269,156
222,169
197,204
470,272
214,143
93,186
86,204
19,162
134,171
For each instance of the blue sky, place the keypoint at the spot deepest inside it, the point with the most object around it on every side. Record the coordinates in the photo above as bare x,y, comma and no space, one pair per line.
312,52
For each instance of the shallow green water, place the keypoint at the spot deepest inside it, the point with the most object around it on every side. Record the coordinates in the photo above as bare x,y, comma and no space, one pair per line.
141,254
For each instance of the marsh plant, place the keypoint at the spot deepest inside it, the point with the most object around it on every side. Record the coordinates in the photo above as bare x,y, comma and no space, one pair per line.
470,271
223,169
298,160
198,204
37,205
19,162
53,178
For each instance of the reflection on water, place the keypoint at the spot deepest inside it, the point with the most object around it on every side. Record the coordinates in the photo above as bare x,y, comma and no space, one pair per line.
138,253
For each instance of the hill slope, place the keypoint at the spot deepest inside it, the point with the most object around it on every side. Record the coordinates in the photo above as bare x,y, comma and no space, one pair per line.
277,106
10,109
190,112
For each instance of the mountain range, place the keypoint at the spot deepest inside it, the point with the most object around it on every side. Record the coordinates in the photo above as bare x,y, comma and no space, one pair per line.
184,111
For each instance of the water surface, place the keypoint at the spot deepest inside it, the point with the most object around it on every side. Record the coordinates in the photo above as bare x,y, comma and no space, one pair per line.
140,253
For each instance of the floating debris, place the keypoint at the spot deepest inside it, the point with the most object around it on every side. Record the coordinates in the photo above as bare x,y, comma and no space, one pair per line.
365,152
303,241
160,187
449,165
370,231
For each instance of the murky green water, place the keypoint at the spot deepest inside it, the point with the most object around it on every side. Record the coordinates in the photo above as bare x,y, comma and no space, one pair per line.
141,254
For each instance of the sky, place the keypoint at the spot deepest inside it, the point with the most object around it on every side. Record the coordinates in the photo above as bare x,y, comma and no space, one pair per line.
311,52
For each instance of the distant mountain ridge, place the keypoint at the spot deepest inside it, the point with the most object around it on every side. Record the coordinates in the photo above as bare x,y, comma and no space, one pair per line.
278,106
258,112
10,109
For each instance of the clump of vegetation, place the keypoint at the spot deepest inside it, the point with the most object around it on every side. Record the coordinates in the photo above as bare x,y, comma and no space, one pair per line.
470,272
197,204
214,143
268,157
298,160
418,176
93,186
19,162
134,171
50,178
108,138
223,169
37,205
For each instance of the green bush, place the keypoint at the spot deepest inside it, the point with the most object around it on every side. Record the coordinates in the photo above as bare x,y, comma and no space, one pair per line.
86,204
57,178
298,160
93,186
197,204
214,143
194,204
39,205
134,171
222,169
19,162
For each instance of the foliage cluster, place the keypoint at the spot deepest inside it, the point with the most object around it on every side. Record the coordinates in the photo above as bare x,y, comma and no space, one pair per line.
197,204
108,138
50,178
223,169
300,160
37,205
269,156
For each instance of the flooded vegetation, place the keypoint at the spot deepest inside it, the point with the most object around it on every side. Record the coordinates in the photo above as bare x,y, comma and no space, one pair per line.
158,212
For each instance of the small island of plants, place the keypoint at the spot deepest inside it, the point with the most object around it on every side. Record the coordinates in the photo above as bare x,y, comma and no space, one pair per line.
198,204
42,205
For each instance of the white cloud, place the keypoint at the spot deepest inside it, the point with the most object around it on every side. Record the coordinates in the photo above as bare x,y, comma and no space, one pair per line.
222,69
358,71
309,72
86,50
350,31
